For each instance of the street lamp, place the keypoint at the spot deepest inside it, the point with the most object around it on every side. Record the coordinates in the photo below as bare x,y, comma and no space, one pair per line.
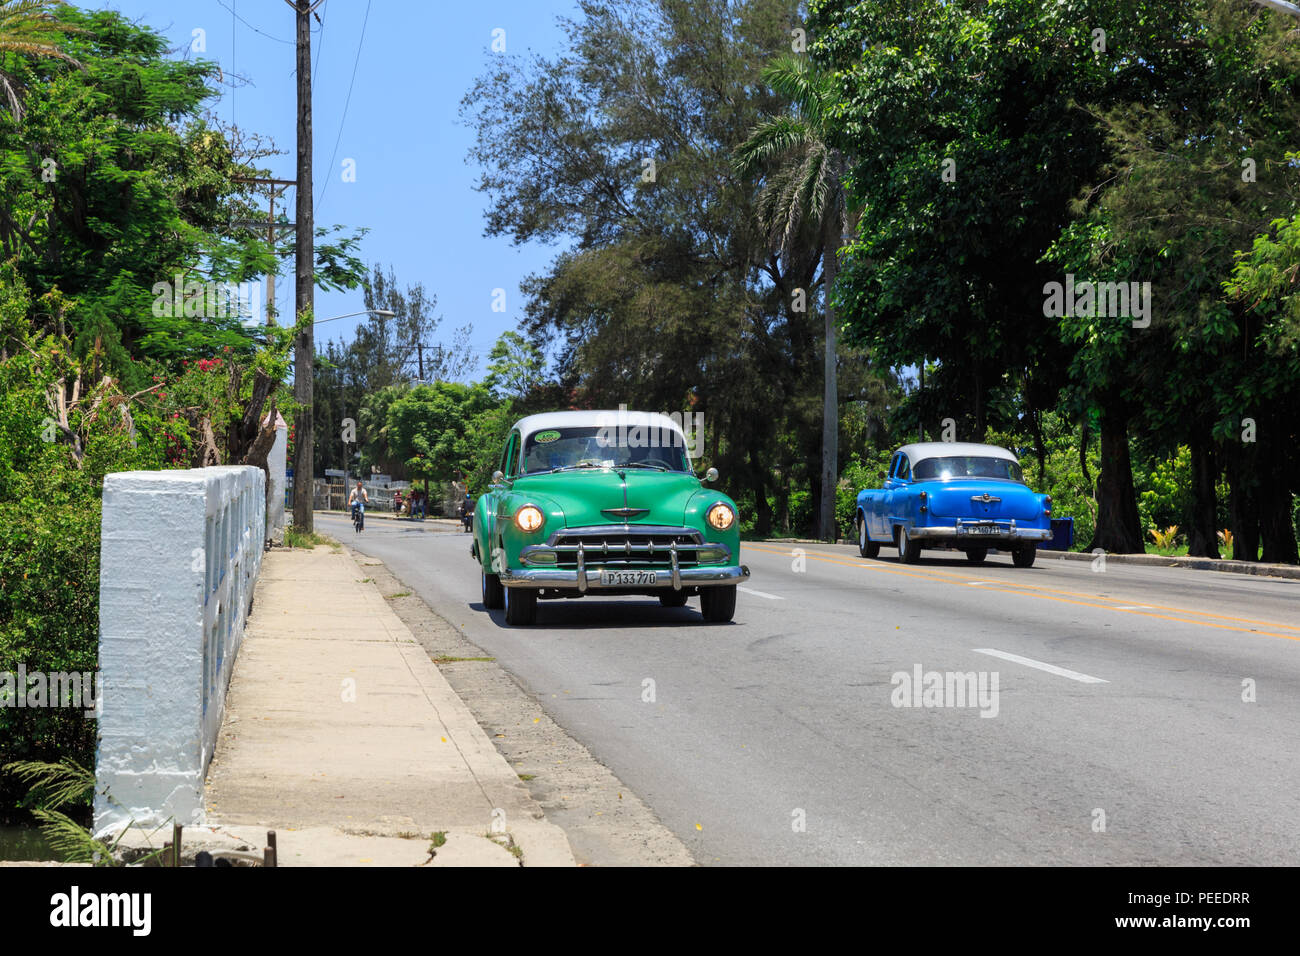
384,312
1280,6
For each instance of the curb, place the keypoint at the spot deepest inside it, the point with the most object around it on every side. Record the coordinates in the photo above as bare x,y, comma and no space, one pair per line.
1290,571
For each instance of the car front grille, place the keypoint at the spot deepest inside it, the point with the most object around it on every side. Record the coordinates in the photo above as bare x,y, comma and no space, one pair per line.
627,546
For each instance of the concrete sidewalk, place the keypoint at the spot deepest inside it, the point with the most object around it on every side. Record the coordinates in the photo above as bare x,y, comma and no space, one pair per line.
340,730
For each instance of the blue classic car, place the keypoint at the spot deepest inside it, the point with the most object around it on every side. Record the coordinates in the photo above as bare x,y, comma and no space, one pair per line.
953,495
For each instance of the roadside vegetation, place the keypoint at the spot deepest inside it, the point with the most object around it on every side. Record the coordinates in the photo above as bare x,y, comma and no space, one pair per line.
707,171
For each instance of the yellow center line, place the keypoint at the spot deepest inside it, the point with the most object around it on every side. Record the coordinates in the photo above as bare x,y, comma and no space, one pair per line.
1048,594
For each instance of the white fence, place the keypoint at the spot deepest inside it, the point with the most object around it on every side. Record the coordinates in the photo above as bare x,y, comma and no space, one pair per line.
179,555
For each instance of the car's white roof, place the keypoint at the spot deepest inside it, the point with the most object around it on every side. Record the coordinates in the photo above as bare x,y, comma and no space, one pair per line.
595,418
920,451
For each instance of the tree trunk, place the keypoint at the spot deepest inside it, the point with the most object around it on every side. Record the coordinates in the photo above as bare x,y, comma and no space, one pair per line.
830,393
762,510
1275,506
1243,505
1202,539
1118,528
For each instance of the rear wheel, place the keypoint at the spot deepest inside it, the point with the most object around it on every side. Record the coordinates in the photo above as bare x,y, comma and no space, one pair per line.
976,555
492,591
1023,556
521,606
718,604
672,598
866,547
909,551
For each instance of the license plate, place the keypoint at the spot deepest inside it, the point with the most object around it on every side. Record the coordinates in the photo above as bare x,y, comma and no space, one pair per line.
625,578
980,529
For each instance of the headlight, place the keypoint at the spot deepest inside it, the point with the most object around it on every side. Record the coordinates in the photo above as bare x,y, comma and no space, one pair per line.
529,518
721,516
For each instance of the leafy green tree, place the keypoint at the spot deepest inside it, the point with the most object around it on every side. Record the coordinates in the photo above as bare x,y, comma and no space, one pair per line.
670,296
805,184
427,428
27,27
515,366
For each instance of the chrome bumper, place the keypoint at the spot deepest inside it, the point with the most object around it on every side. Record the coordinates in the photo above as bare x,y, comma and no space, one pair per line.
1009,532
589,579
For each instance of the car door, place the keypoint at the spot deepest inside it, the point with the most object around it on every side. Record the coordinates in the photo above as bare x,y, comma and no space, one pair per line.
879,517
899,491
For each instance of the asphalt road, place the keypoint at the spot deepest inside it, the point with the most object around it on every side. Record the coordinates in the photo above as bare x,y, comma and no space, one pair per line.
1118,734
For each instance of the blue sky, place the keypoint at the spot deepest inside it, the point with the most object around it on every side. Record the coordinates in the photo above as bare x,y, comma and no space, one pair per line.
413,188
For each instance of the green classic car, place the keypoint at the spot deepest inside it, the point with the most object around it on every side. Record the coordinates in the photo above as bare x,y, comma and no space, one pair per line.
604,503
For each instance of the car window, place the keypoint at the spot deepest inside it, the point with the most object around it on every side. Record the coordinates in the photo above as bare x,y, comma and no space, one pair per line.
608,447
893,466
969,466
904,468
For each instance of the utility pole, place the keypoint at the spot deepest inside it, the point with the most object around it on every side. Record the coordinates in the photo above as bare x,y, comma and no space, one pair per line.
420,347
271,227
304,352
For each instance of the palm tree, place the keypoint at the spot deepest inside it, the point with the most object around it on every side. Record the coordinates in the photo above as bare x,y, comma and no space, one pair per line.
28,27
805,187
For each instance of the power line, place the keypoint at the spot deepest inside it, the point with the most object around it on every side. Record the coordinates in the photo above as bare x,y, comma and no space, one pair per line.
253,28
320,43
338,139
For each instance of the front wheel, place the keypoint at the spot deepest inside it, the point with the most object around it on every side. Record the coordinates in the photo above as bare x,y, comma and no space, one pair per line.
492,591
718,604
1023,556
672,598
976,555
521,606
866,547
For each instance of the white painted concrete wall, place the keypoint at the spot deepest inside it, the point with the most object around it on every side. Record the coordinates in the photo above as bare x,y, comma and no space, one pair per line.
179,555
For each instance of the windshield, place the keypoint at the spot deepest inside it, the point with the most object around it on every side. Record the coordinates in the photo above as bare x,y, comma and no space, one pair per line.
968,467
604,447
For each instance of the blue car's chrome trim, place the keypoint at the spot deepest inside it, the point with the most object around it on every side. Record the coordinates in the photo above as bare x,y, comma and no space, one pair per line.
585,580
1009,532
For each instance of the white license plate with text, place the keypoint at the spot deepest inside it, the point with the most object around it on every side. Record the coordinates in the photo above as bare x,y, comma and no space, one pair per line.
628,578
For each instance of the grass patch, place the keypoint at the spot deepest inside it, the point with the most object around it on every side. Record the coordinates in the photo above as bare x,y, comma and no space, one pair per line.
437,840
391,597
454,660
365,580
527,776
293,538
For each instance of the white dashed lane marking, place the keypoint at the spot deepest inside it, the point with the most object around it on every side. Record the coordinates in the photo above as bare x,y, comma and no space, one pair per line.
1050,668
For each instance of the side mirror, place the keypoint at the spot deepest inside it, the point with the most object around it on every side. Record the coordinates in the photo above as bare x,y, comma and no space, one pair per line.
711,475
882,473
497,476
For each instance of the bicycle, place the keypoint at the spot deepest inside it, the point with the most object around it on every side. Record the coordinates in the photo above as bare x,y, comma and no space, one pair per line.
358,516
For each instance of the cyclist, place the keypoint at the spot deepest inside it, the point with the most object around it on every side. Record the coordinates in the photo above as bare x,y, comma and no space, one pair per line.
357,502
